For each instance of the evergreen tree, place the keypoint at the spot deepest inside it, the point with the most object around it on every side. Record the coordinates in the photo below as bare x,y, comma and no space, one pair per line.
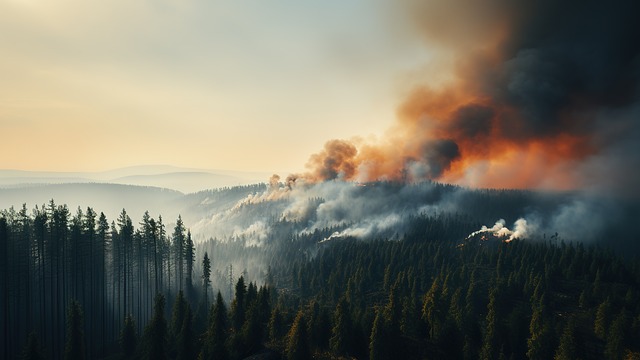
189,257
602,319
185,346
32,351
490,343
238,306
614,348
74,348
276,326
206,278
378,347
252,329
214,346
567,350
433,312
128,338
411,324
155,334
393,309
319,327
539,344
341,333
297,342
178,314
179,243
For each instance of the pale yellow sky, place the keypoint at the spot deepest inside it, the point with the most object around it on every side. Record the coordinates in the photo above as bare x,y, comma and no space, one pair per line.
241,85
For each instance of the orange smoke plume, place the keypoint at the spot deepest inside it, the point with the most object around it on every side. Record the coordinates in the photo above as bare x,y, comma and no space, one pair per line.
525,108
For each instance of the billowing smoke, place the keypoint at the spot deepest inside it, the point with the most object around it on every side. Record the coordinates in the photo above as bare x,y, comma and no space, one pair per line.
388,210
538,94
521,230
541,94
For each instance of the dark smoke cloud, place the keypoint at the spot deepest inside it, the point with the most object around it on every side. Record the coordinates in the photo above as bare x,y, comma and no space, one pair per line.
472,121
336,160
437,156
544,95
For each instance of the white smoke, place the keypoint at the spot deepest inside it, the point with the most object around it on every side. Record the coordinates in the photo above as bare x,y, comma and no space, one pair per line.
368,228
521,230
386,209
357,210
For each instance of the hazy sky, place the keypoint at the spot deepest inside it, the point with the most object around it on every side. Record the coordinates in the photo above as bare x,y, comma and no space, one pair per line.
241,85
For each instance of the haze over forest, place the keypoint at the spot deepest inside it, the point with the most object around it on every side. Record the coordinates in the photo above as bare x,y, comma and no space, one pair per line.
415,179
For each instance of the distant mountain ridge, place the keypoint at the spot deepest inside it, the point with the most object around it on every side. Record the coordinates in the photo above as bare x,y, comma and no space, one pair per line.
186,180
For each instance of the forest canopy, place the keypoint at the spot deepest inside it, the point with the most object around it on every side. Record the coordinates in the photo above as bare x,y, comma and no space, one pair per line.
77,285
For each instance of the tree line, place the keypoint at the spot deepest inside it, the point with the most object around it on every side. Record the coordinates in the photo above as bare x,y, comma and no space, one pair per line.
79,287
50,257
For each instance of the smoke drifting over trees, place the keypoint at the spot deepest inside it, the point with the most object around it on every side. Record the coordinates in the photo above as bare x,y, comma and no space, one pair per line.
541,95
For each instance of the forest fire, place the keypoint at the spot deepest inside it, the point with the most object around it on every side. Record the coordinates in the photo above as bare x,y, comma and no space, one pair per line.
522,110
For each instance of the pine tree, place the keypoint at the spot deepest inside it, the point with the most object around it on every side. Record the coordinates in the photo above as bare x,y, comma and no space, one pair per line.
378,347
567,350
206,278
602,319
214,346
539,342
433,311
276,326
489,345
185,346
155,334
252,330
32,351
74,348
341,333
179,243
297,342
614,347
178,314
189,257
128,338
238,306
393,309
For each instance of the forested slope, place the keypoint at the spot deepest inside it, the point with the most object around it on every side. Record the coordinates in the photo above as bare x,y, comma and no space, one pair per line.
82,286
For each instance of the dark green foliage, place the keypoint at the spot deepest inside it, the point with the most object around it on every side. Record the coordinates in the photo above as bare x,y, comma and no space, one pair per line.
567,349
214,346
185,339
319,328
297,341
616,337
178,317
342,331
491,337
603,316
252,329
379,348
33,350
276,326
128,338
74,348
238,306
206,278
155,333
540,342
431,295
434,311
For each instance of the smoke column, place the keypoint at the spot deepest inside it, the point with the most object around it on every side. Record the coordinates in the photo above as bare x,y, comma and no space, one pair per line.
542,94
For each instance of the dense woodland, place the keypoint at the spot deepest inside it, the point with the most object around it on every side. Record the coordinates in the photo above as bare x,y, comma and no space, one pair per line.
77,286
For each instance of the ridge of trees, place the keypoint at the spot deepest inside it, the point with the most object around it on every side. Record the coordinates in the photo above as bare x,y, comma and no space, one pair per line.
78,287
